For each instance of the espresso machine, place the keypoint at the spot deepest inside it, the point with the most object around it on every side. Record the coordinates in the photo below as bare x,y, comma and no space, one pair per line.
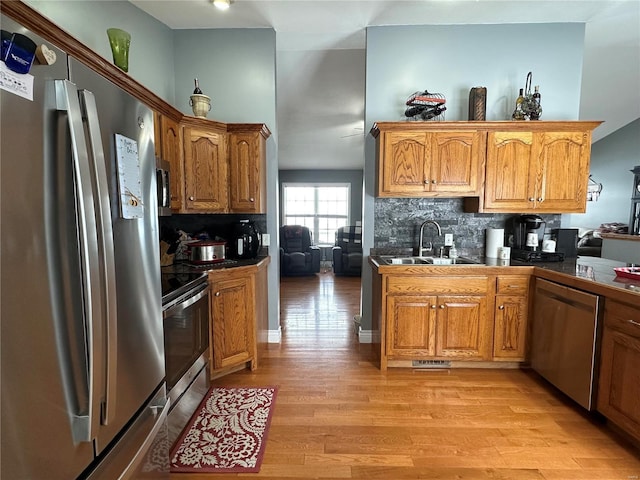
528,234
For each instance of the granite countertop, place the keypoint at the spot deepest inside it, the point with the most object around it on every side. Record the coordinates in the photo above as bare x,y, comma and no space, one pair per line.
591,270
592,274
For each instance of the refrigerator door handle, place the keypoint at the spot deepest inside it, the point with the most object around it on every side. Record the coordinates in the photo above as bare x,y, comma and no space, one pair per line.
83,418
106,253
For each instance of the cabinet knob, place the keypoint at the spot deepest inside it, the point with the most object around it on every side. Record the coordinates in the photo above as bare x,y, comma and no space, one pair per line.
433,307
442,307
540,199
501,307
426,182
434,182
217,294
252,199
531,199
191,199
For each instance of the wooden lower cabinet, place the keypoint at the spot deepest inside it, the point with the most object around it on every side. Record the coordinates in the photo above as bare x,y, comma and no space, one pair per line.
411,326
439,318
619,380
237,309
463,328
510,318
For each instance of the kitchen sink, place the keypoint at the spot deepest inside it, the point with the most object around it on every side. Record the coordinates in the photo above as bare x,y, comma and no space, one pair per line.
427,261
406,261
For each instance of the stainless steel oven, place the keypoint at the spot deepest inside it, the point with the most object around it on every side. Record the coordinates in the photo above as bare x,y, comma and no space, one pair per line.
186,329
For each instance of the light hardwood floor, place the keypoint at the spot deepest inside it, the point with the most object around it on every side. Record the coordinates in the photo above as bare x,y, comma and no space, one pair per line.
338,416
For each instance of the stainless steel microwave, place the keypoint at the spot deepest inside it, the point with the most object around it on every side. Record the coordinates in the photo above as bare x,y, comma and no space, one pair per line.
162,183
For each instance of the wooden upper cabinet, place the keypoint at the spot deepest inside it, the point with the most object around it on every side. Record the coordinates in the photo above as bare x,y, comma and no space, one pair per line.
205,170
247,168
540,167
168,147
172,152
455,161
563,159
509,177
419,162
537,171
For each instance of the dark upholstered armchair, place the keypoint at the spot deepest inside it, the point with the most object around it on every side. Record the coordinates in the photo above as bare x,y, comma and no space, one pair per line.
347,254
297,254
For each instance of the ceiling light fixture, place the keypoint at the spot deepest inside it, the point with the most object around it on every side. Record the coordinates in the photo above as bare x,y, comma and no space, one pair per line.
221,4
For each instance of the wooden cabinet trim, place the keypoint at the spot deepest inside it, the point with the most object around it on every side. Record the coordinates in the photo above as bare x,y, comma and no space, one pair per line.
413,284
512,285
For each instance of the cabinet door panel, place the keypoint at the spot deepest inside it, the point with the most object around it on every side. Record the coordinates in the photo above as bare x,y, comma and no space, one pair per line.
403,169
619,384
411,330
172,153
564,161
462,327
205,171
455,159
510,327
246,157
511,172
231,319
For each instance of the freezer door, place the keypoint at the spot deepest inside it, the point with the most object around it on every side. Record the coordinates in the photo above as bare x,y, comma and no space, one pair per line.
139,361
43,350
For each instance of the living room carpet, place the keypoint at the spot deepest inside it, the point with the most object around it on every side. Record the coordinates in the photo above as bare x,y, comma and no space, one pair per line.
227,433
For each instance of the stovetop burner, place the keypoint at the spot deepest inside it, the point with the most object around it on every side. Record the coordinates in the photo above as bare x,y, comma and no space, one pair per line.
216,263
176,283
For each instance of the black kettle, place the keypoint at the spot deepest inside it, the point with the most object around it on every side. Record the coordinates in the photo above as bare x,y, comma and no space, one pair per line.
246,240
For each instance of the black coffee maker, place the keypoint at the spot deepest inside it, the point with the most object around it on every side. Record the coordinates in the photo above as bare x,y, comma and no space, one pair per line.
245,241
528,232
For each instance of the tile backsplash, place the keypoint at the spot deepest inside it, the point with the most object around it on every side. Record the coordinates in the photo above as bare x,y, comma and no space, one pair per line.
398,220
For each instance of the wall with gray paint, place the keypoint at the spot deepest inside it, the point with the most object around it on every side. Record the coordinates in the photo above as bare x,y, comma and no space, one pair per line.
451,60
354,177
235,67
611,159
151,53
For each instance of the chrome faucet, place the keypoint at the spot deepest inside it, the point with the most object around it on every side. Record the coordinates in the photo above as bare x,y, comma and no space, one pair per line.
421,249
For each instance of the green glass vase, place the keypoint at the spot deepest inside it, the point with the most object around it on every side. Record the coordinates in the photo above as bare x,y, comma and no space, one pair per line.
120,42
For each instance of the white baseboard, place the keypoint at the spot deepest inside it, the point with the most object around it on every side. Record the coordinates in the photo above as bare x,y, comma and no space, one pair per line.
274,336
365,336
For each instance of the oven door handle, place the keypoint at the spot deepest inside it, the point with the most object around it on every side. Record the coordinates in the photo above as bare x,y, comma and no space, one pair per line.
186,301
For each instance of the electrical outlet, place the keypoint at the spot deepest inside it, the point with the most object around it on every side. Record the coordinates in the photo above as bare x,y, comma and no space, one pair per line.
266,238
448,239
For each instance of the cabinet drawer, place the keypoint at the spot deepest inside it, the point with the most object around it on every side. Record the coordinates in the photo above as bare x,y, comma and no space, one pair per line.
436,285
513,285
623,317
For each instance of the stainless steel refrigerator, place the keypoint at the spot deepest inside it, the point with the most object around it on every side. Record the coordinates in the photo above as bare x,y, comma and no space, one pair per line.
82,355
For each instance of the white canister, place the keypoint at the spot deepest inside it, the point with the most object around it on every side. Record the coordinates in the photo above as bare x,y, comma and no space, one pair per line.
495,240
548,245
505,253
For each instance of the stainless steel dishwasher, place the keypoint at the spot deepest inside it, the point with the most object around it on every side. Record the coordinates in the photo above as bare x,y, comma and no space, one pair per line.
564,339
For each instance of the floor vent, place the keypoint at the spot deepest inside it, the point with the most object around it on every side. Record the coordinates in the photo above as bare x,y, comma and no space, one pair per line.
431,364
